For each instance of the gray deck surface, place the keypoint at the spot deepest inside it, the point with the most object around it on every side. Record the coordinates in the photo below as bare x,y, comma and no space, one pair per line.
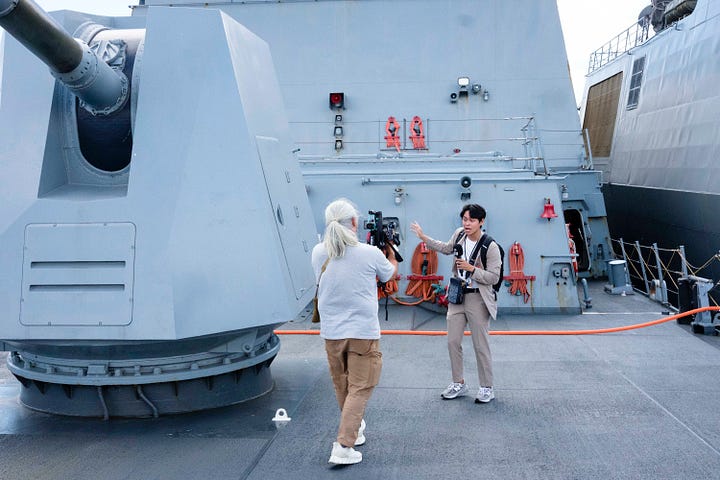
642,404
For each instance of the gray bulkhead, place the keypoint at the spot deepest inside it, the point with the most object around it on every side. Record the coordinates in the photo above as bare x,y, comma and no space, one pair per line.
516,134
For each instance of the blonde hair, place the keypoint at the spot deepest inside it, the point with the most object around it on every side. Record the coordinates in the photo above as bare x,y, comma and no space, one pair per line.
338,227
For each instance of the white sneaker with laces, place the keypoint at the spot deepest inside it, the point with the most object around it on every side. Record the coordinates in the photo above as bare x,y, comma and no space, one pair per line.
344,455
485,394
454,390
360,440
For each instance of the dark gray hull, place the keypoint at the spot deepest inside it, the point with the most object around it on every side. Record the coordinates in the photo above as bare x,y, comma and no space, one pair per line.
669,218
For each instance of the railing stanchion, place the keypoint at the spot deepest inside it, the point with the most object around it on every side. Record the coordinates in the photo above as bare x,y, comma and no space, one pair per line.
642,267
683,262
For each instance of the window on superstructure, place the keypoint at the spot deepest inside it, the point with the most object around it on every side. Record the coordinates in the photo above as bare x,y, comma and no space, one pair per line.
635,83
601,107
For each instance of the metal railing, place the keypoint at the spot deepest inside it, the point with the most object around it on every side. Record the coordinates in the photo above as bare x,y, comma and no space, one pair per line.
636,34
655,271
518,140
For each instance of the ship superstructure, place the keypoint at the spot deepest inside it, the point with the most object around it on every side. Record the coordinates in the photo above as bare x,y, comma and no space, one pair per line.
652,110
393,103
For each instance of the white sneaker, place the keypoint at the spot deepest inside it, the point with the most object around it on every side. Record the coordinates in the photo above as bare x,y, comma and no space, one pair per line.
360,440
454,390
344,455
485,394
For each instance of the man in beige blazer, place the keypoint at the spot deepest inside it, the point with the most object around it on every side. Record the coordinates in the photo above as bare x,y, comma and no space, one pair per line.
479,304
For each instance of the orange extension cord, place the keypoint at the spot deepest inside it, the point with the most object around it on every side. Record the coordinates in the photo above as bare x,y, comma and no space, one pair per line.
528,332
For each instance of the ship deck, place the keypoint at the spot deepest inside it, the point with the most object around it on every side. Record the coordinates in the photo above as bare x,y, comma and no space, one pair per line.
638,404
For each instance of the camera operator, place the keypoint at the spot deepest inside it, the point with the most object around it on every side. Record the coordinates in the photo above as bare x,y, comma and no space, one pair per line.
348,307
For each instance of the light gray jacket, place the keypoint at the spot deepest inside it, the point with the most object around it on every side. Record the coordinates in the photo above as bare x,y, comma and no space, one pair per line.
485,278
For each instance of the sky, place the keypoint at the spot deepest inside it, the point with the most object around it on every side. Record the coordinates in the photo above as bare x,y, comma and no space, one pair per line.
587,24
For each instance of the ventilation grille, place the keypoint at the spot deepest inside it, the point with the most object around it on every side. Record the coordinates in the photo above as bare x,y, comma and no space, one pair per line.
78,274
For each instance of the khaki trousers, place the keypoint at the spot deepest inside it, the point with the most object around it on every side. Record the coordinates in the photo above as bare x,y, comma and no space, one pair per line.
474,313
355,367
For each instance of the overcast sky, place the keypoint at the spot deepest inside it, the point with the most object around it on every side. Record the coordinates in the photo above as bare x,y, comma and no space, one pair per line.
587,24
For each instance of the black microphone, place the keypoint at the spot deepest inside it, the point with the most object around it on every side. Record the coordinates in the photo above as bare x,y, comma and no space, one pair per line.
457,248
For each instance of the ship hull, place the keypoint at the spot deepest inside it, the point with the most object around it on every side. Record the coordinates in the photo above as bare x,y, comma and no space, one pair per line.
667,218
650,108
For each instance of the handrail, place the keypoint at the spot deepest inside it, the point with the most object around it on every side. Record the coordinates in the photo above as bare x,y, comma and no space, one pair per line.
636,34
656,268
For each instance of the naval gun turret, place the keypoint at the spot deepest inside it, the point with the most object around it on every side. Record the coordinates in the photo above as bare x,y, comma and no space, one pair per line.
154,225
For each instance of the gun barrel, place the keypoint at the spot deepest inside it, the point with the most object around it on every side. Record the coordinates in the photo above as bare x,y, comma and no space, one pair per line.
101,89
40,34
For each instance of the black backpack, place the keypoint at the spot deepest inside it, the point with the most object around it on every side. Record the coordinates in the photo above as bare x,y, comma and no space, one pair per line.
485,242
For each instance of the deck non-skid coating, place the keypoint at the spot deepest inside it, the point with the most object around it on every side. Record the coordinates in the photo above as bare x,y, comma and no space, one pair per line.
638,405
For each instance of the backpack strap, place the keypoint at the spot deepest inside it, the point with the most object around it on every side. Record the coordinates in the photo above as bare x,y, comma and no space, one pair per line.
486,240
474,253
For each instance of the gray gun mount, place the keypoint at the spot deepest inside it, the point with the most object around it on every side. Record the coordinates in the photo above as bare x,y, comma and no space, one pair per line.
150,242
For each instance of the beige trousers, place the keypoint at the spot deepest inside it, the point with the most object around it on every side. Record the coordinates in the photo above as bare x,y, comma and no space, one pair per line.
474,313
355,367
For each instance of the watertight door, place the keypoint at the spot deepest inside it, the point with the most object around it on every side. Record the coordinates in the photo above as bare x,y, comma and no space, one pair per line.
291,209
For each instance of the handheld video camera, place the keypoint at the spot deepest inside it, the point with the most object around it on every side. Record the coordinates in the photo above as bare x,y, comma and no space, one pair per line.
383,232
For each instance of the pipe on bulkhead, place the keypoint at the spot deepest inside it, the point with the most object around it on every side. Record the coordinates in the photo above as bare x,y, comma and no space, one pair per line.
586,293
101,89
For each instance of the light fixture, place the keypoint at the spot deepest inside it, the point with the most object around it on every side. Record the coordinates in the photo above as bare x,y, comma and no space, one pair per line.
338,131
564,192
337,100
338,118
399,194
476,88
463,83
453,97
338,144
486,95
